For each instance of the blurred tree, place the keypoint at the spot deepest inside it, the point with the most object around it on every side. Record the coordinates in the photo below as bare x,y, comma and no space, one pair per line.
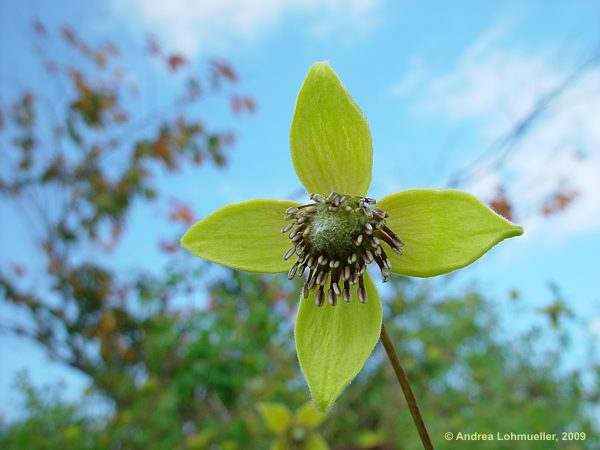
470,378
212,369
79,152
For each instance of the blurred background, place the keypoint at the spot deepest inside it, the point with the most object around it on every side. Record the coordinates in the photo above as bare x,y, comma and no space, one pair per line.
123,122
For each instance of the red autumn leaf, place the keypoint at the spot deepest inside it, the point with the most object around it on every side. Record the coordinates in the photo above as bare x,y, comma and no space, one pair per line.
501,204
225,70
182,213
212,303
69,35
161,149
176,62
559,201
54,265
115,236
40,28
241,103
169,247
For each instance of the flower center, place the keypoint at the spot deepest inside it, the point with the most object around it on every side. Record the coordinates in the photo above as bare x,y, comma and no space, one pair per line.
336,237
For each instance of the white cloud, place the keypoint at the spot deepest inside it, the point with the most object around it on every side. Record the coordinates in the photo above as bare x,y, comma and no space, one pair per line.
193,26
493,87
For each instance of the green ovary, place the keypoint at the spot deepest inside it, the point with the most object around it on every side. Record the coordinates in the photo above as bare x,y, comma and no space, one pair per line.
333,232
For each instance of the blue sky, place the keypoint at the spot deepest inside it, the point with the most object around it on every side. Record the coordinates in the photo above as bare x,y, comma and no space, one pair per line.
439,83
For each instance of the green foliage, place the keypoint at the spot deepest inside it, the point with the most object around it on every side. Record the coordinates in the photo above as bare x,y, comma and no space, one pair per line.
208,370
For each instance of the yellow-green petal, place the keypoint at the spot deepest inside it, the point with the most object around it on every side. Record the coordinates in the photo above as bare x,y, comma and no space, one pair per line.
334,342
330,139
245,236
280,444
307,416
315,442
276,416
443,230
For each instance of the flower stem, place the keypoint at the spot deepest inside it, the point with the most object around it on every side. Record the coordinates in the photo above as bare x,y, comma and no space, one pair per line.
404,383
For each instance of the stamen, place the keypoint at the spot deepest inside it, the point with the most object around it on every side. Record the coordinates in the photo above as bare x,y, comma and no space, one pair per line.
335,277
322,277
362,293
336,237
346,292
289,253
331,298
320,297
292,272
346,273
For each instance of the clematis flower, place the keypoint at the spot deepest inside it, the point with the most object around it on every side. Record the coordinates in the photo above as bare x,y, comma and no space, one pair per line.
332,239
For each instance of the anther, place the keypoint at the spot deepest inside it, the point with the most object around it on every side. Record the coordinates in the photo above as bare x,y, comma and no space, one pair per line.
312,280
289,253
287,227
359,240
346,292
294,232
346,273
292,271
320,297
331,298
362,293
321,278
